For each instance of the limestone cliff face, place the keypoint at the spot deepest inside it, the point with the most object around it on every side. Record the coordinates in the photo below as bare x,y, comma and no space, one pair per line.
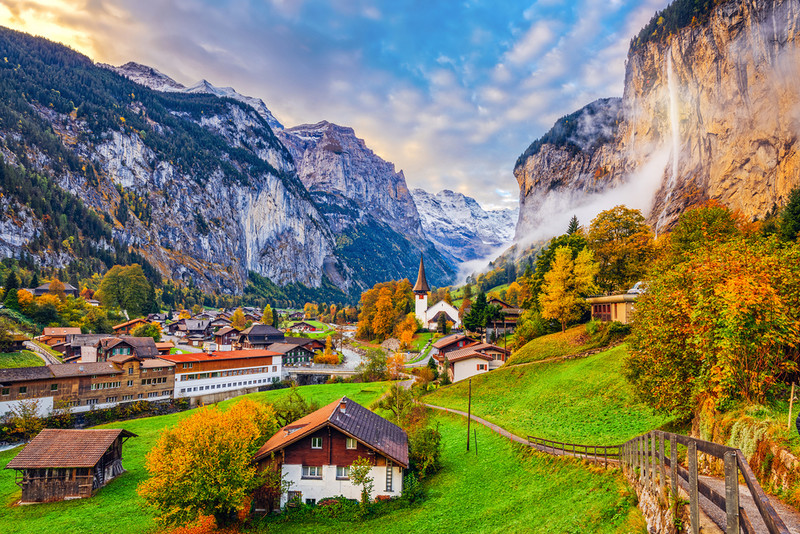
712,112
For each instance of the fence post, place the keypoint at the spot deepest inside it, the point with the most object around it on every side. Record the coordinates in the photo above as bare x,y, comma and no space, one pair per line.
673,463
661,466
646,458
694,502
653,461
640,459
732,492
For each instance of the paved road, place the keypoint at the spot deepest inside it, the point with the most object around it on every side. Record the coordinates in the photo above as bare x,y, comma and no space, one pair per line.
790,516
40,352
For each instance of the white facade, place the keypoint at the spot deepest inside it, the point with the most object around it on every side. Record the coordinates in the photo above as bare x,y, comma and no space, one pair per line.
194,384
421,307
469,367
43,409
441,306
331,486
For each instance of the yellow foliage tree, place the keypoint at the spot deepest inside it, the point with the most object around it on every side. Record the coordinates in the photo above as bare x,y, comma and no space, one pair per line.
204,465
238,319
384,315
26,302
395,365
266,317
57,288
623,247
310,311
565,284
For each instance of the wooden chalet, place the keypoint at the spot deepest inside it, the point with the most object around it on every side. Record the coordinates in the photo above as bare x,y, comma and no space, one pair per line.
510,317
613,307
450,343
44,289
471,360
127,327
293,354
164,347
260,336
57,335
315,452
199,328
68,464
304,326
82,347
226,337
110,347
310,343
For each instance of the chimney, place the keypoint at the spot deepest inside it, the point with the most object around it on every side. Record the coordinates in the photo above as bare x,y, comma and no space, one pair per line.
342,405
80,368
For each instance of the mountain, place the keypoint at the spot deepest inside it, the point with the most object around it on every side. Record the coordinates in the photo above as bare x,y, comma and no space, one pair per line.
158,81
709,111
461,228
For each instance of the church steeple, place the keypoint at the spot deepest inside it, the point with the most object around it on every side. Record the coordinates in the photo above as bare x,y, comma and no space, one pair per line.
422,283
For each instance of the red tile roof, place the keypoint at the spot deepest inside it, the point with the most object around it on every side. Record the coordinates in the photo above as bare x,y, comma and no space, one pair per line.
367,427
60,331
127,323
466,354
219,355
449,340
66,448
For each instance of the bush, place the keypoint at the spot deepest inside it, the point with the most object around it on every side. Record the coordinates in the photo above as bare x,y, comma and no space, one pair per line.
425,451
413,490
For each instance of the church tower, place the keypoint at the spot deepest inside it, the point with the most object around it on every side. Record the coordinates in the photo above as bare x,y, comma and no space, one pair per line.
421,291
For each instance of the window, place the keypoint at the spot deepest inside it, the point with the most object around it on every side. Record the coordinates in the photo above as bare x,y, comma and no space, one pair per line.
152,394
127,397
312,471
6,391
23,390
130,370
187,365
183,390
53,387
111,399
316,443
343,472
74,403
274,368
139,396
311,502
351,443
130,383
481,367
90,402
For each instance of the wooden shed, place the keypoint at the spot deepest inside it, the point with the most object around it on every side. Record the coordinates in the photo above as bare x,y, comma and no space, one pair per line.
61,464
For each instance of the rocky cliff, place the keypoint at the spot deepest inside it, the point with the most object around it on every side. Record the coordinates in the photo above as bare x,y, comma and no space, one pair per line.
461,228
710,110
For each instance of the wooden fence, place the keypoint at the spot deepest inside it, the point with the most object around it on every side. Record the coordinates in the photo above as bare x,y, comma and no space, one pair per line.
645,459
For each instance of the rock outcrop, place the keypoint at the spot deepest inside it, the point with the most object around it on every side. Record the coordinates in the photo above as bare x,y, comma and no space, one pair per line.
710,111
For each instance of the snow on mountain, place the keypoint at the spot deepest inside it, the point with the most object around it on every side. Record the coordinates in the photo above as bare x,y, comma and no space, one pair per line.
158,81
460,227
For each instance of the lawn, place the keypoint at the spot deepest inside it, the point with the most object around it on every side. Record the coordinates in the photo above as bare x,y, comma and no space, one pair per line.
117,509
502,488
24,358
574,341
420,340
585,401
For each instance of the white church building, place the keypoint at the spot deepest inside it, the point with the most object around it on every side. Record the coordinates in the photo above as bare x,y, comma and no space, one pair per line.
429,317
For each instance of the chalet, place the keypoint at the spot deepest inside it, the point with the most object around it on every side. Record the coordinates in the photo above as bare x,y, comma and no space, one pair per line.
465,363
315,453
198,328
260,336
141,347
59,464
57,335
510,317
219,323
160,318
164,347
44,289
293,354
451,343
499,355
82,347
310,343
296,316
304,326
613,307
200,374
125,329
194,340
173,327
225,337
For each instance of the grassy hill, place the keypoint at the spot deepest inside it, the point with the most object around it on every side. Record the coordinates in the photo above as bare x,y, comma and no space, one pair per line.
586,400
117,508
23,358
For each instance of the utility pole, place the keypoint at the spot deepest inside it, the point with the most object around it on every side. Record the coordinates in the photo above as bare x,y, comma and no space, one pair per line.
469,411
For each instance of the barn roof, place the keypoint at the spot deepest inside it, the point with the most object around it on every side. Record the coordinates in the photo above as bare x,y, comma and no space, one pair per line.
66,448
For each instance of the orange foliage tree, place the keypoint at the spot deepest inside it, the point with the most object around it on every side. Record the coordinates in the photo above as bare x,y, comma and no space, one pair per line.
396,300
395,365
204,465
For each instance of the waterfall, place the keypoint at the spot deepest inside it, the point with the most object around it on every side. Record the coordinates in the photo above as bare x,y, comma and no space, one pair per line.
674,122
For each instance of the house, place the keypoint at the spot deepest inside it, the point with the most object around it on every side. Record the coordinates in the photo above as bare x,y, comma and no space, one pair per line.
219,323
293,354
172,327
60,464
499,355
304,326
315,453
141,347
57,335
311,344
450,343
260,336
164,347
200,375
465,363
509,321
225,337
441,308
125,329
428,316
613,307
199,328
296,316
82,347
44,289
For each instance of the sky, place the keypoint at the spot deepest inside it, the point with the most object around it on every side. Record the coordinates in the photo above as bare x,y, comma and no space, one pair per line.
451,92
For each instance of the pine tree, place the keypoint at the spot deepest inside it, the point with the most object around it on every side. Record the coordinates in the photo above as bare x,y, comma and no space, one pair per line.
790,217
12,282
574,225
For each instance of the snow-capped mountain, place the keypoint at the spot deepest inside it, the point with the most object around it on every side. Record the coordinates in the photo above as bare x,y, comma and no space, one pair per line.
158,81
460,227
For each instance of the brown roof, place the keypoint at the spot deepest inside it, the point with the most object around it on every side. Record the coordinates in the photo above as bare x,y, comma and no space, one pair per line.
283,348
226,330
449,340
422,284
151,363
367,427
144,347
128,323
66,448
24,374
465,354
165,345
219,355
83,369
60,331
486,346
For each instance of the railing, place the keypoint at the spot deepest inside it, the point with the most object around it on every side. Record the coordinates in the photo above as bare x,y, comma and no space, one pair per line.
644,459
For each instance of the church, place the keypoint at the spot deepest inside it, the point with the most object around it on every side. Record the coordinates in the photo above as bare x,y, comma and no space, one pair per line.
429,317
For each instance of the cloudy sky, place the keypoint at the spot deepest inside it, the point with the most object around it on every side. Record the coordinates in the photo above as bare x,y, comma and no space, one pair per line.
451,92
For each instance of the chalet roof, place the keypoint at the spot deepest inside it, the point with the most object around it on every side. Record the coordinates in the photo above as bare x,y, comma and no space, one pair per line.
195,324
465,354
84,369
156,362
435,318
283,348
495,300
611,299
60,331
351,418
66,448
422,284
165,345
46,287
301,323
449,340
86,340
301,341
261,330
220,355
145,347
24,374
225,330
129,323
486,346
122,358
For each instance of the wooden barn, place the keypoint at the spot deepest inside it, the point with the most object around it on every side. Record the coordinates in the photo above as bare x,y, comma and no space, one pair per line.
59,465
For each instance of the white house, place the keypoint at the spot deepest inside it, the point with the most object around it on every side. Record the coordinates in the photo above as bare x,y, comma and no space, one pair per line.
429,317
315,453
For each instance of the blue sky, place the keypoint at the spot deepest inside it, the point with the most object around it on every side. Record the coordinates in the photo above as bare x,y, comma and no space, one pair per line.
451,92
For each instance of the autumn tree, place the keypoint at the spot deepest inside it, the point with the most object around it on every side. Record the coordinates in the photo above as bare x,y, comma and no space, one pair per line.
532,281
566,283
197,309
266,317
238,320
623,247
57,288
148,330
327,356
204,465
401,302
310,311
383,322
395,364
359,474
127,288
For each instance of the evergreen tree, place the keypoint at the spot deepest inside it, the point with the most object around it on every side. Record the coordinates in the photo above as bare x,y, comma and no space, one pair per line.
574,225
276,320
790,217
12,282
475,320
441,323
